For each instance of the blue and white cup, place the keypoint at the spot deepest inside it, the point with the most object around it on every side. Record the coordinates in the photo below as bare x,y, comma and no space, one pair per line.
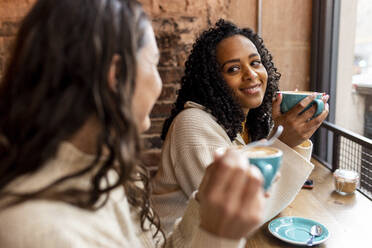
292,98
267,160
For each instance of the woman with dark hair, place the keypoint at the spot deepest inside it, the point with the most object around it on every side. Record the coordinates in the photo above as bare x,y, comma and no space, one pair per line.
76,94
225,99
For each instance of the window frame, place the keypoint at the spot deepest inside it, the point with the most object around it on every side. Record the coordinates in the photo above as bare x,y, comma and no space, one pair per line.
323,73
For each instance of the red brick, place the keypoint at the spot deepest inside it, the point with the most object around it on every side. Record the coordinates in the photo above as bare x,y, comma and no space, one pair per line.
168,57
1,45
8,43
169,93
152,142
216,10
170,74
172,7
174,57
8,28
182,54
1,64
156,126
190,24
14,9
197,8
161,110
165,24
167,40
171,32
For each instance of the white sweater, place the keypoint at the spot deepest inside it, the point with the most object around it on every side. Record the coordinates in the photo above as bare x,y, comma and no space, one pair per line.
188,149
50,224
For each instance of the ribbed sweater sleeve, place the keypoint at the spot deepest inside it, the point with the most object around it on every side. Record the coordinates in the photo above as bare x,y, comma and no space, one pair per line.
188,232
195,136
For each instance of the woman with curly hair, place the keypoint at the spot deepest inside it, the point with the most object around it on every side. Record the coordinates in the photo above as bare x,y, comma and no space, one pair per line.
76,94
225,99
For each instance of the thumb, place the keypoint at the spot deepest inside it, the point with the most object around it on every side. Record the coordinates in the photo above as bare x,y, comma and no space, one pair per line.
276,105
219,152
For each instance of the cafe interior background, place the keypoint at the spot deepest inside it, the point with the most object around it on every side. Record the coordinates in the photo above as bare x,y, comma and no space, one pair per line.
319,45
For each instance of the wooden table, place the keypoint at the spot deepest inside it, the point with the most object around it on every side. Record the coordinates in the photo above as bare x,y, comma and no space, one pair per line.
348,218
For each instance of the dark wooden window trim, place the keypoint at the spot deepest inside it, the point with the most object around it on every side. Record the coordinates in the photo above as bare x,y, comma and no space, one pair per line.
323,75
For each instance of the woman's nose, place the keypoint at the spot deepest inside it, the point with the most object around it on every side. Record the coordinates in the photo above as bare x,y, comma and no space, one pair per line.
249,73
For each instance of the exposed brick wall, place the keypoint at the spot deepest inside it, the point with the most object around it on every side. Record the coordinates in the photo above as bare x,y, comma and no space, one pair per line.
11,12
8,28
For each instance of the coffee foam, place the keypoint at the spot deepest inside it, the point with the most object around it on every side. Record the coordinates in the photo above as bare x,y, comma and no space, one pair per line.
260,152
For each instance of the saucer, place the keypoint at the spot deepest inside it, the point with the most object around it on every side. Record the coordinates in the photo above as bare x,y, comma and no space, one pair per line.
296,230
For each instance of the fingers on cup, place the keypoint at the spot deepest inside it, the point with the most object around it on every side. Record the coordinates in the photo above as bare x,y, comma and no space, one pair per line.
317,121
304,103
309,113
325,113
325,98
276,104
279,97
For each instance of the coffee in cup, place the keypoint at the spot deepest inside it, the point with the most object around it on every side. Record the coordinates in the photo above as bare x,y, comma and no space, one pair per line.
291,98
267,160
259,152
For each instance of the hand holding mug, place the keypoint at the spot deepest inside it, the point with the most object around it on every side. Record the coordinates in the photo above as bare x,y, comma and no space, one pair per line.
231,196
299,122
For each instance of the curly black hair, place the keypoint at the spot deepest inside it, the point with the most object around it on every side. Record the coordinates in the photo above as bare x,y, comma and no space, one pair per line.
203,83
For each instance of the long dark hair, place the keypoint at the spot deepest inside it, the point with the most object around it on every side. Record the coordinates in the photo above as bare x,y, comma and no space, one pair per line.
56,79
203,83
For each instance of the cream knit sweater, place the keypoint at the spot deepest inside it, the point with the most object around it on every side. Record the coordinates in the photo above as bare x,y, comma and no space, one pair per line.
50,224
188,149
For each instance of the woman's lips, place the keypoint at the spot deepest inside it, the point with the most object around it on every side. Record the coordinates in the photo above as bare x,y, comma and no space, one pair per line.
251,90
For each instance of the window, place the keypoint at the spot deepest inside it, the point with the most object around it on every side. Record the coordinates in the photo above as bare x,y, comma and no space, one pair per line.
362,64
342,66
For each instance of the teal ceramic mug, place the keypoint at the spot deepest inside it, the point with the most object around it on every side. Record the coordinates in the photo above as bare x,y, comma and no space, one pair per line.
267,160
291,98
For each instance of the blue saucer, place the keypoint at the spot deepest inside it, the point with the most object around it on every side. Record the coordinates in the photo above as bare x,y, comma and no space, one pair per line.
296,230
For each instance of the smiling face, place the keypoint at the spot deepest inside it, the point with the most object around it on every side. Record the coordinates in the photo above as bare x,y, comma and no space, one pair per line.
243,71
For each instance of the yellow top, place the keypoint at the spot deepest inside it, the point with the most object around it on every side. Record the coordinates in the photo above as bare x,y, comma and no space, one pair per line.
245,134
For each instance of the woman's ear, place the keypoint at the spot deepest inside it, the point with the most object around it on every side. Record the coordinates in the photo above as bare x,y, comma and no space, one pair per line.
111,77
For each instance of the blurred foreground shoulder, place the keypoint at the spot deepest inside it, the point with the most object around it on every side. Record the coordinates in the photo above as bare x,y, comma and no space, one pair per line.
34,225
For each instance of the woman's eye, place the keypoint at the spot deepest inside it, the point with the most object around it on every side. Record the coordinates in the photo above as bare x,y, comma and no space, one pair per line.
256,63
233,69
